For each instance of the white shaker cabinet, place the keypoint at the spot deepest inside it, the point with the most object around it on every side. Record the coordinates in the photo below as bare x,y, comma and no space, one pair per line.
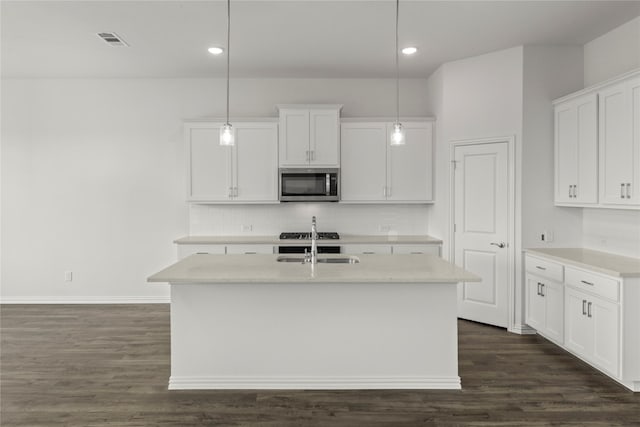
244,173
593,329
576,151
309,135
373,171
545,298
620,143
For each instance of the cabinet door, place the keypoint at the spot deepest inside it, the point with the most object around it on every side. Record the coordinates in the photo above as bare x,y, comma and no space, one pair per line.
553,294
294,137
605,317
209,167
324,137
255,163
576,155
578,331
409,166
364,162
619,146
535,305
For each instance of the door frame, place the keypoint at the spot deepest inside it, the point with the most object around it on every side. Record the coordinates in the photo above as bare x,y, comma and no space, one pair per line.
511,215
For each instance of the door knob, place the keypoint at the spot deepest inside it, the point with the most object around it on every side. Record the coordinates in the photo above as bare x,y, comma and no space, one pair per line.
500,245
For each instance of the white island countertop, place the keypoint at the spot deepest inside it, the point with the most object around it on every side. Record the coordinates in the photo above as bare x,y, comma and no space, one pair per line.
345,239
603,262
208,268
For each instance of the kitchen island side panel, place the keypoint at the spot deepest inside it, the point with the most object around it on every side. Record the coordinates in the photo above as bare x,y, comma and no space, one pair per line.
314,336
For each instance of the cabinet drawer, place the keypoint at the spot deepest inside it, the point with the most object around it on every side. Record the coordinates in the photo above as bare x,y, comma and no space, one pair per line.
544,268
249,249
186,250
417,249
366,249
606,287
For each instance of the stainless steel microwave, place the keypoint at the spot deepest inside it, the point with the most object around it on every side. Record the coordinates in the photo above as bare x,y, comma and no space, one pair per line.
309,185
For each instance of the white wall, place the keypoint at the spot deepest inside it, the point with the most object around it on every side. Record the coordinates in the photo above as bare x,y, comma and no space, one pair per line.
93,174
549,73
613,53
473,98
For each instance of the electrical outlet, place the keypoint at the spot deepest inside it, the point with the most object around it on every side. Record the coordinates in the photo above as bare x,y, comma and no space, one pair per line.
246,228
68,276
546,236
384,228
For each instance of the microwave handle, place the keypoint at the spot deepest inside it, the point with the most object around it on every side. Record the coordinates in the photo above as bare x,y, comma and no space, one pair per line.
328,184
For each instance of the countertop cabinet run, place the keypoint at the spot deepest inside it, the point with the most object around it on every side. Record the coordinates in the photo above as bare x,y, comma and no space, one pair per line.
399,174
244,173
309,135
590,314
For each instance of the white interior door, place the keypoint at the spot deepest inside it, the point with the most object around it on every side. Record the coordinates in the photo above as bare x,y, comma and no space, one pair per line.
482,230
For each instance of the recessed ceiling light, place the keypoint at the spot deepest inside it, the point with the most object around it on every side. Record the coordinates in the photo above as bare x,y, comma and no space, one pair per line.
215,50
409,50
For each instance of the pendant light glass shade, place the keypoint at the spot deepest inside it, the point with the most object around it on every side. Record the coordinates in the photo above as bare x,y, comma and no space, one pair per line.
227,136
397,135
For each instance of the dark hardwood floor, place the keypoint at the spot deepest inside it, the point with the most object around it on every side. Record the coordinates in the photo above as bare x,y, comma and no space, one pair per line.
92,365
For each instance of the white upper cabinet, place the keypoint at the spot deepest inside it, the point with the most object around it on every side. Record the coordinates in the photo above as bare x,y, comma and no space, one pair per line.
373,171
620,143
597,145
309,135
576,151
363,176
246,172
410,166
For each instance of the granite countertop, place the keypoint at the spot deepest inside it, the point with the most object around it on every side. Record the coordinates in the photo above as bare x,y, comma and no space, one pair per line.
601,262
207,268
345,239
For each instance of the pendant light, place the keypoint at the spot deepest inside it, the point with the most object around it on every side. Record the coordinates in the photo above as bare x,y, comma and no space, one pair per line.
227,136
397,135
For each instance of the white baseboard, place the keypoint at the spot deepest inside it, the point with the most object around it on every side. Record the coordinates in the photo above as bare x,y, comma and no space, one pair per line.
522,329
313,383
86,300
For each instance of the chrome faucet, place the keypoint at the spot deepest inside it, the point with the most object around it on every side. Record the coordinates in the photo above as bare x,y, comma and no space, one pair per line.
314,241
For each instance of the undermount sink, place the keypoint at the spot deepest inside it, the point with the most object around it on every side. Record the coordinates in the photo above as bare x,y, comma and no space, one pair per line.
333,260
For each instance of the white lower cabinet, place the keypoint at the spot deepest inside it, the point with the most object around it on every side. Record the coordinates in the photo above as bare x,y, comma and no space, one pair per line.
593,330
545,307
591,315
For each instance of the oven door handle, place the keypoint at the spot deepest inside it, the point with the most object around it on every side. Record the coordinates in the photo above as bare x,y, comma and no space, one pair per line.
328,184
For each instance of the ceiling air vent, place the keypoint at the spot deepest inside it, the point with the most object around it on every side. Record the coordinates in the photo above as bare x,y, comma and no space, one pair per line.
112,39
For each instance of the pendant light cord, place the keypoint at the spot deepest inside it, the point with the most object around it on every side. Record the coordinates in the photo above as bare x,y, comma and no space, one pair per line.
397,67
228,43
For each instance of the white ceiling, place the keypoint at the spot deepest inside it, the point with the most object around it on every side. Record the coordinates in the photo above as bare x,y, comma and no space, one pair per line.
295,38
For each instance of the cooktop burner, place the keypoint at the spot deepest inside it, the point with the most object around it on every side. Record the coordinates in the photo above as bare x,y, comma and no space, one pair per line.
302,235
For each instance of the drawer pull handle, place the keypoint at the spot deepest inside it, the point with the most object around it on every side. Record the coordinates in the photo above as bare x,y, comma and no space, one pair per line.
584,307
587,283
589,310
417,253
250,253
368,253
540,268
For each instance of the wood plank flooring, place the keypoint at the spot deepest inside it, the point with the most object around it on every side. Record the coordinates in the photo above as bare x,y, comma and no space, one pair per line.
108,365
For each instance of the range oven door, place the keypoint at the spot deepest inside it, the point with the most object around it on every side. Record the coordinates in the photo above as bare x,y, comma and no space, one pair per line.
309,185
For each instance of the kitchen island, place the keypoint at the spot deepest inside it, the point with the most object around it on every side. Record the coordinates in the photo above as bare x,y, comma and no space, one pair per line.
251,322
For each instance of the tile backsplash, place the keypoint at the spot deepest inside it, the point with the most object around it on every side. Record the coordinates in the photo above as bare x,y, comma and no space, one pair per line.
261,220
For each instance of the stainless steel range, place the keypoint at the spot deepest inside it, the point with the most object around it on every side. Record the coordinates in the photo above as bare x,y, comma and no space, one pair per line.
302,235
